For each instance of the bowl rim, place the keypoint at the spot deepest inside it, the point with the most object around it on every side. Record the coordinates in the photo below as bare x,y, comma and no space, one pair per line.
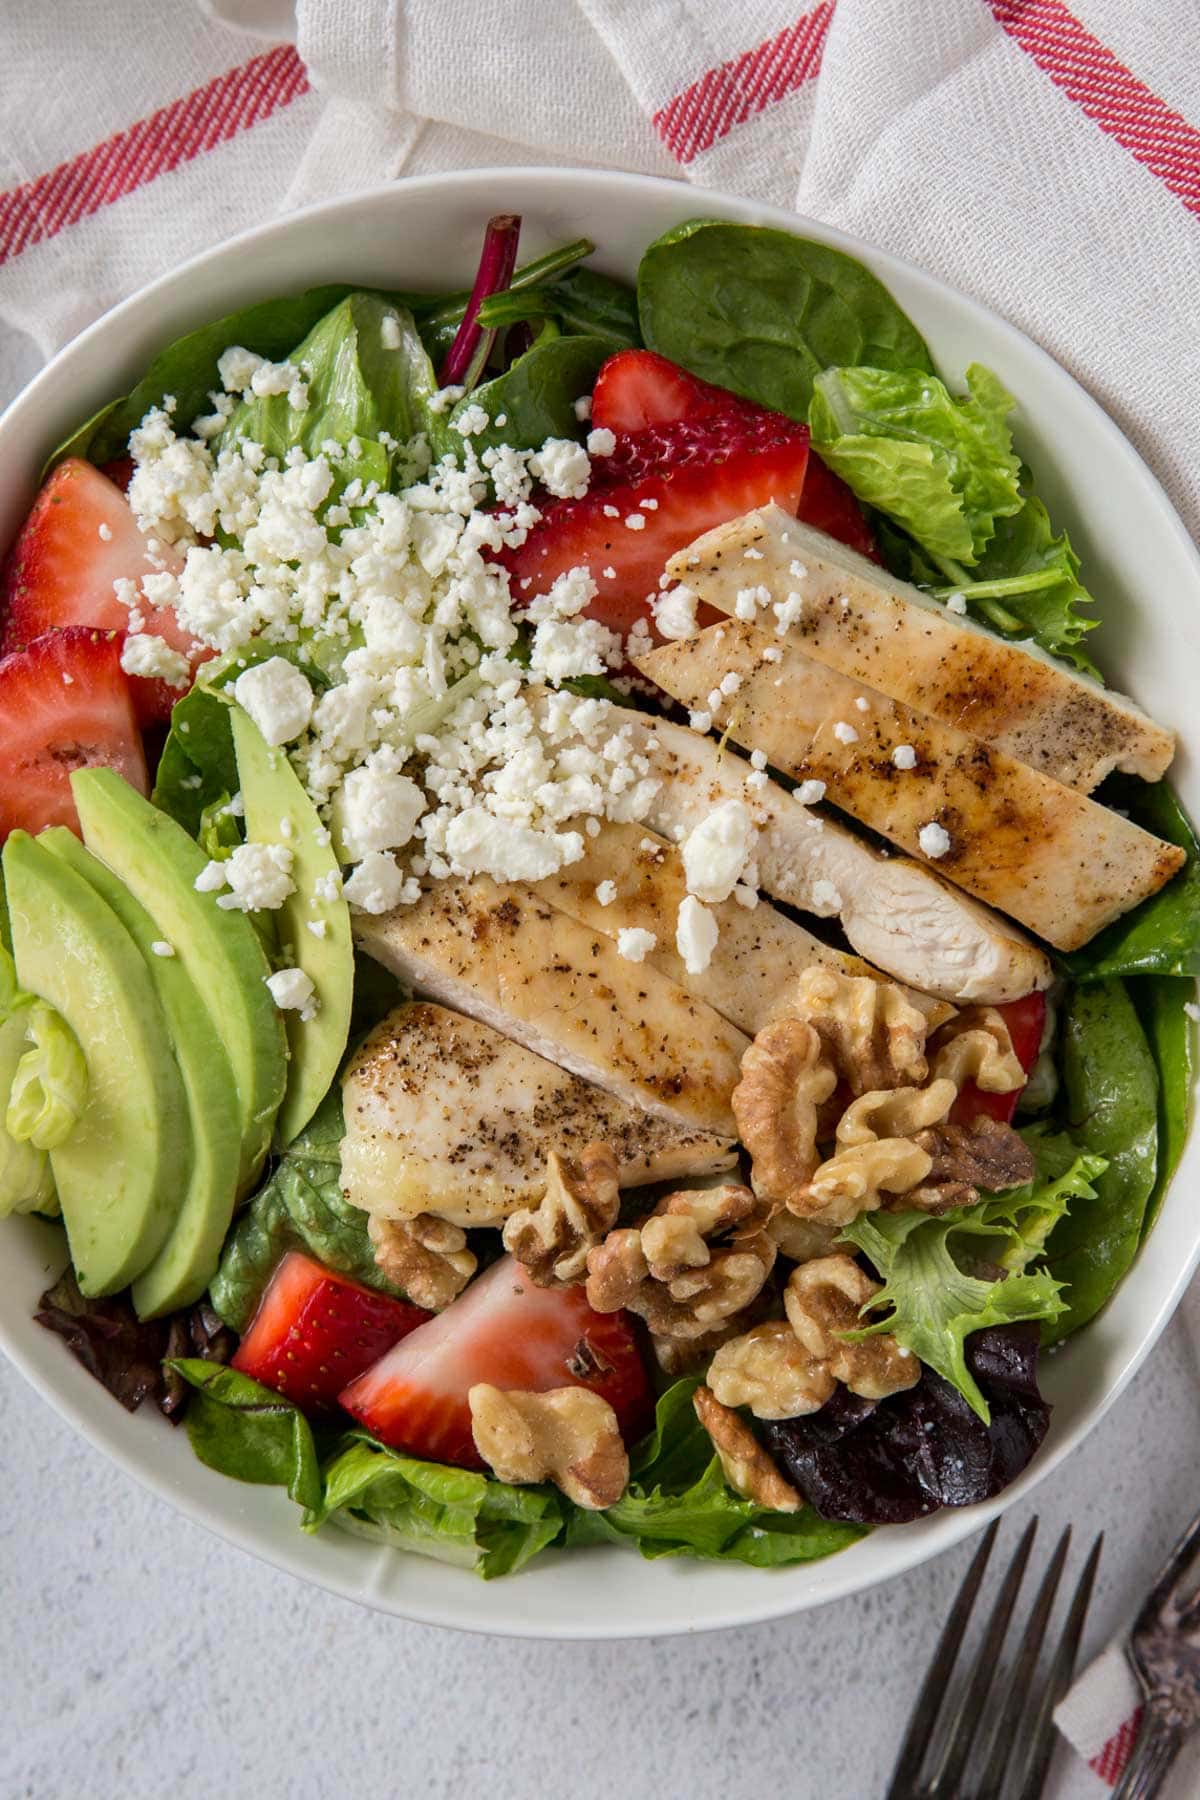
910,1545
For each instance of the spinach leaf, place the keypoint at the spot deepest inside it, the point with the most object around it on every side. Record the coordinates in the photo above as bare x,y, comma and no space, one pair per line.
245,1430
1161,1002
300,1208
940,465
535,397
679,1504
1111,1097
188,368
366,372
584,302
451,1514
763,312
1162,935
197,768
934,1297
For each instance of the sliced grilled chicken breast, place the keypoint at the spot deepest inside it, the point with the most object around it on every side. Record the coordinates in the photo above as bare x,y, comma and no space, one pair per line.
446,1116
1010,835
632,879
895,912
874,629
504,956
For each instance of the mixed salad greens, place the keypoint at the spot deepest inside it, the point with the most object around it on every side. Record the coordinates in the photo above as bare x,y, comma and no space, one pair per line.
181,1099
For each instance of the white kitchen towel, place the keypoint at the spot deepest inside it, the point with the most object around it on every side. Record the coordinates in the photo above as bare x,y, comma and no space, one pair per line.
1043,157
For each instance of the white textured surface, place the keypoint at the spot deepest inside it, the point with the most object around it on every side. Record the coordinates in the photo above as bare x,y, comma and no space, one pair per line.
142,1657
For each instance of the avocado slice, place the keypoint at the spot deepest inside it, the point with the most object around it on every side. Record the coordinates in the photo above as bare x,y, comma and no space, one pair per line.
122,1170
221,951
188,1259
279,811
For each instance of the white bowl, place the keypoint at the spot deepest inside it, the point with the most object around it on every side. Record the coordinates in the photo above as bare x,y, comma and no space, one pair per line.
1139,562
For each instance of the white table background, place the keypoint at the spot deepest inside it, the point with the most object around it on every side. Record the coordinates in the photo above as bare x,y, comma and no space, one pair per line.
141,1658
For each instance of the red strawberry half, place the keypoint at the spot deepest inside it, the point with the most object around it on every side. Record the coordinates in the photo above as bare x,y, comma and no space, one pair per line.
661,489
505,1331
314,1331
64,704
1026,1021
79,538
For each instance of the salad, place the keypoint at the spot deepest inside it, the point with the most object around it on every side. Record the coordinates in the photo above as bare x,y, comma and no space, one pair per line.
587,956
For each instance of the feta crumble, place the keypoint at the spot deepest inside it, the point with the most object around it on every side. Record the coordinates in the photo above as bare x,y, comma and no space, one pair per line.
934,839
696,934
634,944
956,603
675,612
148,656
717,850
845,734
160,947
809,793
292,991
277,698
635,522
606,893
259,878
825,898
601,442
904,756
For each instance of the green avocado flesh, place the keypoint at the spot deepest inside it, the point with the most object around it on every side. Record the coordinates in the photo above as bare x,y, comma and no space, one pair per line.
220,950
188,1259
121,1173
278,811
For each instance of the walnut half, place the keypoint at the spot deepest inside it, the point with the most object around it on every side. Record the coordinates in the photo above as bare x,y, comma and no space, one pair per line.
748,1469
823,1300
580,1204
700,1257
567,1435
426,1256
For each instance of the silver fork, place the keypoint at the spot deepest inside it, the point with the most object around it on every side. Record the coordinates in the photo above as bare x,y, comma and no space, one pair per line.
1164,1648
1019,1740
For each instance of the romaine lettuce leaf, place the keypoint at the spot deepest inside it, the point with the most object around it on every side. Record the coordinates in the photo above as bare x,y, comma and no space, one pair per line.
940,465
49,1086
247,1431
451,1514
934,1301
300,1208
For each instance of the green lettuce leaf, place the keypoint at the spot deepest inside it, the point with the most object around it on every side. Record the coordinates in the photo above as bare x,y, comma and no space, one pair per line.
940,465
451,1514
934,1302
26,1184
300,1208
535,397
1111,1105
247,1431
679,1504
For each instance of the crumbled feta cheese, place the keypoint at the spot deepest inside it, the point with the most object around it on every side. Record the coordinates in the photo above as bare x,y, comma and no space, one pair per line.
675,612
746,896
730,683
378,883
809,793
862,703
845,734
701,722
904,756
1192,1011
749,601
934,839
104,532
277,697
772,654
379,810
758,759
635,522
318,927
472,420
148,656
562,466
160,947
606,893
259,877
716,851
752,553
634,944
648,505
825,898
583,408
445,398
210,878
479,843
601,442
787,612
389,332
956,603
292,991
696,934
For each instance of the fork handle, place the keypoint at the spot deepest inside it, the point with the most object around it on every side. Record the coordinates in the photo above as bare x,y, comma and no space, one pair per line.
1146,1771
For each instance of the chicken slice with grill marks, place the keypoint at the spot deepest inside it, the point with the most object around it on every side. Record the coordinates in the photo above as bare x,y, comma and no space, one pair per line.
630,879
874,629
895,912
506,957
444,1115
1009,835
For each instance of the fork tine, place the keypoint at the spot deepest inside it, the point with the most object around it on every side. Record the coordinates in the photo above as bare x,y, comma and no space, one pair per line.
1041,1742
1177,1567
948,1780
1004,1730
925,1713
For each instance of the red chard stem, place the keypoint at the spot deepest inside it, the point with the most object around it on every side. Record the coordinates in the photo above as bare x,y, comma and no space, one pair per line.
468,354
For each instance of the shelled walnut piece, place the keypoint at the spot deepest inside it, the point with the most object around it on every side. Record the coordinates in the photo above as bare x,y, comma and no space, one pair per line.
789,1367
851,1032
426,1257
748,1469
579,1206
696,1261
567,1435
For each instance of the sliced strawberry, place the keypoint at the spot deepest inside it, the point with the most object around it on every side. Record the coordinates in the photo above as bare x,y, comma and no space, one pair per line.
1026,1021
705,473
636,388
505,1331
314,1331
64,704
80,538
